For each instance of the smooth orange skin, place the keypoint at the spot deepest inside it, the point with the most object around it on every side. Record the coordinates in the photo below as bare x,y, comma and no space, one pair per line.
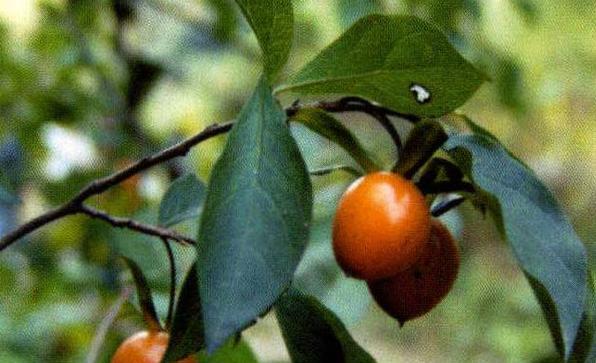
381,226
419,289
145,347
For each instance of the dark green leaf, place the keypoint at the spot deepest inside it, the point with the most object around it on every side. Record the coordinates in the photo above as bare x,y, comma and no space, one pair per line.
543,240
400,62
231,352
182,201
144,295
313,333
273,23
584,349
255,222
424,140
186,336
329,127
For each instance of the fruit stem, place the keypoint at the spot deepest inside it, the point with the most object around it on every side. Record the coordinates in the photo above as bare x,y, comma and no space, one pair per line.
445,206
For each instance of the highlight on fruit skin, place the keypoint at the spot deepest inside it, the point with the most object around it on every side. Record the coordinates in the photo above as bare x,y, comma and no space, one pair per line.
145,347
419,289
381,225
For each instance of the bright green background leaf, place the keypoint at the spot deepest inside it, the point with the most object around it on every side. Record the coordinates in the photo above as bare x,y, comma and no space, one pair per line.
382,57
542,238
313,333
273,23
255,222
182,201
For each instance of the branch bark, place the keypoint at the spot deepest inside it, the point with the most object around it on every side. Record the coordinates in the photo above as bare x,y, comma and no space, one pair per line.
147,229
76,204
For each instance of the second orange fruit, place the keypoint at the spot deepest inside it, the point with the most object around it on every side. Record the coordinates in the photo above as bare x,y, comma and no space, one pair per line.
145,347
381,226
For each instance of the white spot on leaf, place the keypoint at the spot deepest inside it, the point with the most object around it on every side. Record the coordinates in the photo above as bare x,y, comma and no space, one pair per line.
421,94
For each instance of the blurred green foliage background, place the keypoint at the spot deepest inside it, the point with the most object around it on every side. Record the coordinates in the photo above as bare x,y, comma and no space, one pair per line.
88,86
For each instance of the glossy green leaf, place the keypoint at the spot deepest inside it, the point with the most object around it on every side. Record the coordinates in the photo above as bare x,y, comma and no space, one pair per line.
183,200
400,62
231,352
424,140
543,241
186,335
273,23
255,222
313,333
329,127
144,295
584,349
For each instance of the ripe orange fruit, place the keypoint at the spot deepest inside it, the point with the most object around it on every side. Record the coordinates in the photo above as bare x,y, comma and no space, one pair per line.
145,347
416,291
381,226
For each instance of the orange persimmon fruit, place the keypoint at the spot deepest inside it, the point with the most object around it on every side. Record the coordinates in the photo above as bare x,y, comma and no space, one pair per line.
414,292
381,226
145,347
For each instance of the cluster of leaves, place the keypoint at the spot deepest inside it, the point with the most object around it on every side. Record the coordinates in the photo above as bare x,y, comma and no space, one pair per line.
257,212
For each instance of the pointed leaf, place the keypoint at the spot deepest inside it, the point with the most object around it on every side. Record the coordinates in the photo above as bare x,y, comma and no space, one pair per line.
273,23
255,222
424,139
313,333
144,295
183,200
542,238
329,127
186,336
400,62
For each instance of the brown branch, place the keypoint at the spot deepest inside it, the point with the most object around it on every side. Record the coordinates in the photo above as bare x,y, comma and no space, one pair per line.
147,229
75,204
354,104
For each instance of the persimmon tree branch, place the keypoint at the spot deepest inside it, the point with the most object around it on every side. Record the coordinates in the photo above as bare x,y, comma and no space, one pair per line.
147,229
76,204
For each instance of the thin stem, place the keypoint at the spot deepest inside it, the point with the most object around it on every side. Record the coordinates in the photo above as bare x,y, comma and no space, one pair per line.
446,206
380,114
135,225
74,206
172,282
355,104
